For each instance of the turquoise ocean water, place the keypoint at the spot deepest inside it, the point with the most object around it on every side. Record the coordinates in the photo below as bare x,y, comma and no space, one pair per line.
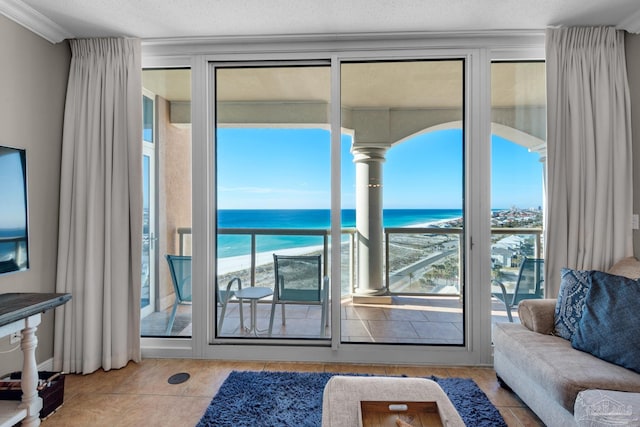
233,245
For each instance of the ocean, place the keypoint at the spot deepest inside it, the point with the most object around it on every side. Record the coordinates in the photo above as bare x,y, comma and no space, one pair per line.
233,245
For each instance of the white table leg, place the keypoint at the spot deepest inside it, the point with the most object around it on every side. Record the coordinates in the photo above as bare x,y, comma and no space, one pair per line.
254,307
253,327
30,399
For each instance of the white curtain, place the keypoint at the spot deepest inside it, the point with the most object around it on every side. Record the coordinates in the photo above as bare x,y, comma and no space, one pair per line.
588,221
100,224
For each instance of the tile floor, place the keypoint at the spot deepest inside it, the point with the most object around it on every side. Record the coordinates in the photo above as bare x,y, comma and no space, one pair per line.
139,394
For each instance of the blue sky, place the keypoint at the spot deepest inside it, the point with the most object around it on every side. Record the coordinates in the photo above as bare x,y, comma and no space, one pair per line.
290,169
516,175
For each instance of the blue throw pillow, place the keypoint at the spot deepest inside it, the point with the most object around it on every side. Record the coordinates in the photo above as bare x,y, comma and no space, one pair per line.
608,328
574,285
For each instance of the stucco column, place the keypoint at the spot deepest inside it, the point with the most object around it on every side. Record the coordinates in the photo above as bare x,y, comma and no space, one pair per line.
369,235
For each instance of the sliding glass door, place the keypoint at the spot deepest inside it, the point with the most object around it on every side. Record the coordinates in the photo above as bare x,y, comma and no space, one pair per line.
518,159
273,200
379,161
167,203
403,192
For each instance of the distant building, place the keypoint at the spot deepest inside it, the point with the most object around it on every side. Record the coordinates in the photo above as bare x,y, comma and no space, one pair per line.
505,251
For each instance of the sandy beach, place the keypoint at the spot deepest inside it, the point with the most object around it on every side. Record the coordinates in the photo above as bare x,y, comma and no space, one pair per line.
243,262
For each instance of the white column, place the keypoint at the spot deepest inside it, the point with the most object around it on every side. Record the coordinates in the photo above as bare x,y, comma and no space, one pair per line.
369,229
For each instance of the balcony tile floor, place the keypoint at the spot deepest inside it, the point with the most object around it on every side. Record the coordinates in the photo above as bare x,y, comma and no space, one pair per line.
409,319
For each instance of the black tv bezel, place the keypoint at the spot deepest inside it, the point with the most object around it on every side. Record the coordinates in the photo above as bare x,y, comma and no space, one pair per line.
23,158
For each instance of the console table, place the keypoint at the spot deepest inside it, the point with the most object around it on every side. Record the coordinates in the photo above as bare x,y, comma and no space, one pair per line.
22,312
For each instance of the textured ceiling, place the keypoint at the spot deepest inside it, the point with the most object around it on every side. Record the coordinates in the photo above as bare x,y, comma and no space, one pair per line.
204,18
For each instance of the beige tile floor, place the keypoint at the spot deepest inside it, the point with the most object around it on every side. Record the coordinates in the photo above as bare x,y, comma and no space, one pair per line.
139,394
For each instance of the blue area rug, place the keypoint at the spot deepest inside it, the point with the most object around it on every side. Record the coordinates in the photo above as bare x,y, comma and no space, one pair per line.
274,399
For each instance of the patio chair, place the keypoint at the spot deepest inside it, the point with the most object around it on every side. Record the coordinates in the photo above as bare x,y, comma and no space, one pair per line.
180,269
298,280
529,285
224,296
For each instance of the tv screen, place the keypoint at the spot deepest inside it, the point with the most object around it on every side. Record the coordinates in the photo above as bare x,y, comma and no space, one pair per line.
14,254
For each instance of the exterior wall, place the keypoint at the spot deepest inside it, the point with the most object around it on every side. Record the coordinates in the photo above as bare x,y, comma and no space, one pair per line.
173,153
632,45
33,79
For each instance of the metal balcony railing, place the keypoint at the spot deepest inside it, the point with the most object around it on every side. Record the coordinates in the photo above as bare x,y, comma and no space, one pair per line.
408,250
14,248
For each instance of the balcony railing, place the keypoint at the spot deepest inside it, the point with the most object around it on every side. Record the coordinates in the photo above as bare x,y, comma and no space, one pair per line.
14,248
423,255
536,232
417,260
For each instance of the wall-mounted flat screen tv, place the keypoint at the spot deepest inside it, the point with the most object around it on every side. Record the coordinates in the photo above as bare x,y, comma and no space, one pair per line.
14,242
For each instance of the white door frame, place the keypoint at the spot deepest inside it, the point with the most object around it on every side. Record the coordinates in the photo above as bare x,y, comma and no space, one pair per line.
149,150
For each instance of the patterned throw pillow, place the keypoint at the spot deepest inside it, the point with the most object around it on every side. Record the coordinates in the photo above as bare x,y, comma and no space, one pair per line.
574,286
608,328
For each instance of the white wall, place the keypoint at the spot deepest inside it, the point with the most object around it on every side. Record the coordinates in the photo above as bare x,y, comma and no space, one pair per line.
33,82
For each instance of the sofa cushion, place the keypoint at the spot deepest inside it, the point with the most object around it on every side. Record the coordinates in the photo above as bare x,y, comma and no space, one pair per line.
627,267
551,362
574,285
608,325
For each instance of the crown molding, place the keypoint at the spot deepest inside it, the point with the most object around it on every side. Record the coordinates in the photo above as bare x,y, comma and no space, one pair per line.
344,37
631,23
310,43
34,21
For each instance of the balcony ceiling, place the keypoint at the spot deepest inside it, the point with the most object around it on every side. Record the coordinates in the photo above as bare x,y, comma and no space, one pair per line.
400,85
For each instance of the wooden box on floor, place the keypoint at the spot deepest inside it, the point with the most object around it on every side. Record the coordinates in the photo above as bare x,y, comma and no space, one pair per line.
50,389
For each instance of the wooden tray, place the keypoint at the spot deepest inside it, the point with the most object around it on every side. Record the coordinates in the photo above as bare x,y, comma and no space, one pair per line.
387,414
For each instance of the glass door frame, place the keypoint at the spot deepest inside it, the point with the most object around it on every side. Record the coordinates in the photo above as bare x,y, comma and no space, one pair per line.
470,353
527,55
213,68
477,49
178,347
